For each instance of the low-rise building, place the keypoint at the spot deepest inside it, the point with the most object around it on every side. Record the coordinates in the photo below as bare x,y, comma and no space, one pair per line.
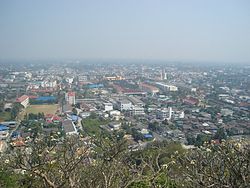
137,110
108,107
69,127
115,125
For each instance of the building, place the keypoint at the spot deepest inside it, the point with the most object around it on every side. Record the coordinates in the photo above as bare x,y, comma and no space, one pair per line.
95,86
70,97
4,132
115,125
108,107
149,88
3,146
10,124
165,113
191,101
166,87
125,105
111,78
23,100
69,127
226,112
135,101
137,110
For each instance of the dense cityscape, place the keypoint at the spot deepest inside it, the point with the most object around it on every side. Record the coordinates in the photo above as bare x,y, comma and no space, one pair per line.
140,102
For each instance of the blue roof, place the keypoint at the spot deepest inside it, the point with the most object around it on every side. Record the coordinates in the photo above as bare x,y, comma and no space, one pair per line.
148,136
91,86
74,117
15,134
3,128
46,98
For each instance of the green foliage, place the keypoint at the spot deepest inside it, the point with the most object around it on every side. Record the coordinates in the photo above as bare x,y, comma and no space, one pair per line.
154,126
91,125
136,135
15,110
38,116
8,179
106,162
5,116
201,139
220,134
224,165
74,111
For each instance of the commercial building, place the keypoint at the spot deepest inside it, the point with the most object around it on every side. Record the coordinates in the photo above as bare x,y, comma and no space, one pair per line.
125,105
23,100
166,87
165,113
137,110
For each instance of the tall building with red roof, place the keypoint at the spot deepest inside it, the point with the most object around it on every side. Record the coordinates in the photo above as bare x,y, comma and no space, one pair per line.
70,97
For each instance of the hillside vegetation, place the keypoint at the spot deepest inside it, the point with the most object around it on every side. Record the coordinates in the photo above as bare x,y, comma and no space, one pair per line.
107,163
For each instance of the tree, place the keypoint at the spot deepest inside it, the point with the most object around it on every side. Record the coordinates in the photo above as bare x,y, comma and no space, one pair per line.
51,164
191,140
154,126
224,165
74,111
15,110
201,139
220,134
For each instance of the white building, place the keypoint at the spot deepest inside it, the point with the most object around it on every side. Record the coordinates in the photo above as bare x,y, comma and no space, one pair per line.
137,110
166,87
23,100
70,97
125,105
108,107
115,114
165,113
115,125
69,80
226,112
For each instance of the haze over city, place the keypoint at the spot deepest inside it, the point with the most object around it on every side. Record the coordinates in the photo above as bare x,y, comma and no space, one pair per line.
179,30
125,94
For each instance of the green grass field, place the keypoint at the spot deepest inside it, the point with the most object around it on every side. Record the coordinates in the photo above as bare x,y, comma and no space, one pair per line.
46,109
92,126
5,116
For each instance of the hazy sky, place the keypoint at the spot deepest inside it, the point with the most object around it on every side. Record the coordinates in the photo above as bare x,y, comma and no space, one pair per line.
185,30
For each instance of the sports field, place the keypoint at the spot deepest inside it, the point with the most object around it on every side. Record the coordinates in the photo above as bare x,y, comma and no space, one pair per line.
46,109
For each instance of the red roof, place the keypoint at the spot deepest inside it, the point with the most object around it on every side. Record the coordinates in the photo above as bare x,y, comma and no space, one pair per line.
33,96
42,90
71,94
22,98
19,142
191,100
51,117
